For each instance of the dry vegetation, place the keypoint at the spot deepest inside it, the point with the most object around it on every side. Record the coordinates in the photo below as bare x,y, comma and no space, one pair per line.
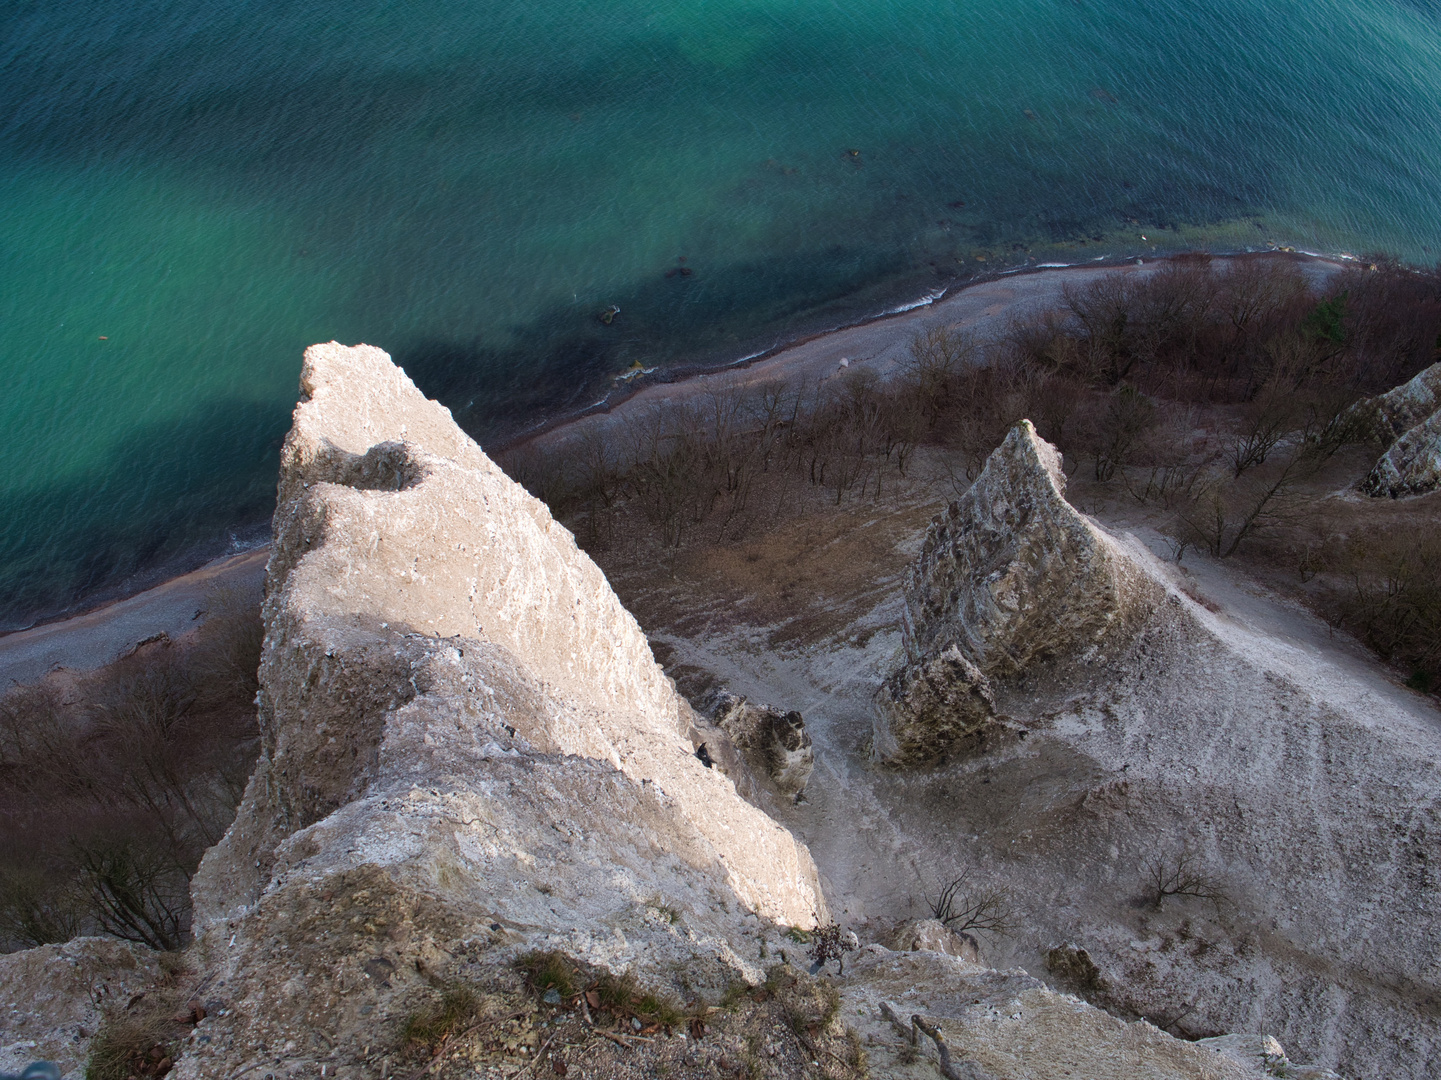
962,904
569,1016
1211,397
112,785
140,1039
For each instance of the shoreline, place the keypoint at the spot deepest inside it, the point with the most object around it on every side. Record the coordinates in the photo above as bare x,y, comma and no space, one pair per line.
879,341
875,340
109,631
624,390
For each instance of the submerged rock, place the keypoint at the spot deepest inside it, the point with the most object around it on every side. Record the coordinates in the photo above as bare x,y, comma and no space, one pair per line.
1010,575
1413,464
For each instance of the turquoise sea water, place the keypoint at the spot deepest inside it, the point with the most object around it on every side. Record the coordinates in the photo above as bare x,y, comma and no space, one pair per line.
191,192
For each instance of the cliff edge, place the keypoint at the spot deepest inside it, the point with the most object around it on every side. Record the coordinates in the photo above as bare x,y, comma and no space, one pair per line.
466,742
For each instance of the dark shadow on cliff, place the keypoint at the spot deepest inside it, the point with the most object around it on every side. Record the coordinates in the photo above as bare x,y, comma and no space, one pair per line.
171,497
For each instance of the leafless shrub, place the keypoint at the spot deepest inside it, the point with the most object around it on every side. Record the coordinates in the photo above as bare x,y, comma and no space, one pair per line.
1392,598
1223,512
1114,339
543,472
1179,874
991,400
1044,341
1169,458
1114,428
936,358
962,904
1254,292
1393,320
155,748
225,664
665,471
1265,421
39,744
37,908
135,894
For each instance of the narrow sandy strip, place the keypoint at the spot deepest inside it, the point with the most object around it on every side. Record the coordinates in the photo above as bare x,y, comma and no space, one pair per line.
89,641
984,309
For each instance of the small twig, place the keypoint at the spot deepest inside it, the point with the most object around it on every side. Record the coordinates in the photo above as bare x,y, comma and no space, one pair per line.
1166,1025
619,1040
538,1055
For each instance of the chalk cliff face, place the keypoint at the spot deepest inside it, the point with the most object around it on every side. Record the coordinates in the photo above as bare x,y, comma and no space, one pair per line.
1228,744
409,574
1390,415
1412,466
466,739
1408,421
1010,575
469,754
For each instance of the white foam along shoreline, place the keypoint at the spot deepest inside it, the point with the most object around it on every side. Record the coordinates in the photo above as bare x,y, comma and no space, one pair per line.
626,387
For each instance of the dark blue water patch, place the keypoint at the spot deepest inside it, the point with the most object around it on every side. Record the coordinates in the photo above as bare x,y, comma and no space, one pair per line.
172,496
1429,8
440,179
565,361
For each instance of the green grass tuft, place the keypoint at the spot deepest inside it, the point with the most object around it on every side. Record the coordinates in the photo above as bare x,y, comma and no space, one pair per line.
550,971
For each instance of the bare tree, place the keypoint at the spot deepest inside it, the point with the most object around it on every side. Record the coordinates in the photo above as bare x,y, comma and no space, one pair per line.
1115,430
136,894
1179,874
937,356
37,908
1265,421
962,905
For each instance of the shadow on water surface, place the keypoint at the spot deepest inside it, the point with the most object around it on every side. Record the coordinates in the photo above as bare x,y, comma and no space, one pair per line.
171,496
175,494
565,360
